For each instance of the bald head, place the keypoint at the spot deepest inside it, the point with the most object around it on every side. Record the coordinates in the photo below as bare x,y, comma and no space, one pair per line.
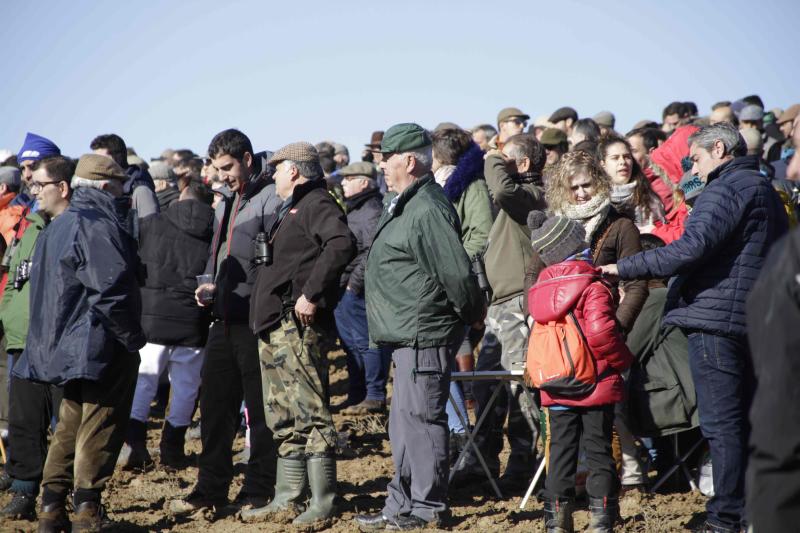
721,114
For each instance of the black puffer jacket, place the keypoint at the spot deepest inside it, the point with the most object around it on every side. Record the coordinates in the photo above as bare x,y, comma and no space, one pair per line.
85,300
173,247
237,220
363,212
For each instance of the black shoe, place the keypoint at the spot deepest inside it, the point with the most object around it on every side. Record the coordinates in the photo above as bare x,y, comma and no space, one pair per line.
53,518
5,480
371,522
457,443
408,523
21,507
171,447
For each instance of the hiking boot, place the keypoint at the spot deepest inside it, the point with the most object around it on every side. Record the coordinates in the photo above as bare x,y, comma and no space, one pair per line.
290,486
134,454
367,407
603,513
195,501
21,507
322,481
89,518
171,447
558,515
53,518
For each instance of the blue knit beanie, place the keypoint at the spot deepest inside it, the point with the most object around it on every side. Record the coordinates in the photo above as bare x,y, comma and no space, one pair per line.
36,148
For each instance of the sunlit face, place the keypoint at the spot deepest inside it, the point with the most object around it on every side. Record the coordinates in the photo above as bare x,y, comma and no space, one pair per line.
233,172
703,161
50,195
481,139
352,185
618,163
639,150
721,114
582,188
285,175
396,171
26,167
553,155
670,123
512,126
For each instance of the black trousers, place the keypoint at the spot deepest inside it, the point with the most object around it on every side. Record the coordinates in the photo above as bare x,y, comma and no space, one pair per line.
566,429
231,372
32,407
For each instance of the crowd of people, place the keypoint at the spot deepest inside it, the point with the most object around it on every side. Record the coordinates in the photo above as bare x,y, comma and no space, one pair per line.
625,273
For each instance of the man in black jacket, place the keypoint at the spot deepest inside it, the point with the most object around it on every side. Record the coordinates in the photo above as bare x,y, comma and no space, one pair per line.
292,313
173,247
230,368
85,335
367,369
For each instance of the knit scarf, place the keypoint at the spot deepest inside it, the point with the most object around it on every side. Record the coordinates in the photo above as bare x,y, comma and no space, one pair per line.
590,214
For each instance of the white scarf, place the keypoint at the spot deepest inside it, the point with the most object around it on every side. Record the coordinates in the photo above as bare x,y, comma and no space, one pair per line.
442,173
590,214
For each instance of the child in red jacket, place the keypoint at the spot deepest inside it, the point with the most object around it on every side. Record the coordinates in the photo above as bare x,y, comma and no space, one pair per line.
570,283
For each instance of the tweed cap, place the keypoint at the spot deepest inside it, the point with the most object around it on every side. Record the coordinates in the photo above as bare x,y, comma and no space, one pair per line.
299,151
511,112
99,167
362,168
790,114
555,238
563,113
605,119
553,137
405,138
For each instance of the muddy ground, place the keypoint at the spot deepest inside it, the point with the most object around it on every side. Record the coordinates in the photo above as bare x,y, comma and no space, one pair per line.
136,502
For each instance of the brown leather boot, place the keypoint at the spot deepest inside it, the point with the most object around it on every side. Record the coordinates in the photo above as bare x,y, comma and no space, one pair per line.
88,518
53,518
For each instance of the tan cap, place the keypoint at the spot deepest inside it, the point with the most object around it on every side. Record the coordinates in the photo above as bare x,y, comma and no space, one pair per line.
361,168
790,114
99,167
299,152
605,119
511,112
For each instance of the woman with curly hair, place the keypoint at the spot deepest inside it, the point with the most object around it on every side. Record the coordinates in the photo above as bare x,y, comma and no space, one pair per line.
631,193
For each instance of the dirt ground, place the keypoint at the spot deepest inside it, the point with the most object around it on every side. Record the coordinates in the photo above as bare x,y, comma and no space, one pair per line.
136,502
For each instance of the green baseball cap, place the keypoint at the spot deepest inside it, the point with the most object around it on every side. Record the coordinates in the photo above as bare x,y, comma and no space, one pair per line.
405,138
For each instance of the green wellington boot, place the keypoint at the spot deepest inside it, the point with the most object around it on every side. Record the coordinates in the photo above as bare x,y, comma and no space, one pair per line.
322,480
290,486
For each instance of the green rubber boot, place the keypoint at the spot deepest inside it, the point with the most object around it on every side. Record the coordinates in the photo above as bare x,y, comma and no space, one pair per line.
290,486
322,480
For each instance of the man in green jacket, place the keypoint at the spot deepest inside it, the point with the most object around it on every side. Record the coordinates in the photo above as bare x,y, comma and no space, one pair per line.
514,177
420,293
32,404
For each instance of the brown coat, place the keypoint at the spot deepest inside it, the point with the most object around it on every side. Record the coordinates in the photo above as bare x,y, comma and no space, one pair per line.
615,238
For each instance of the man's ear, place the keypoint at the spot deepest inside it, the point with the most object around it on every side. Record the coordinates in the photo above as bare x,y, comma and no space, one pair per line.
247,160
524,165
411,165
718,150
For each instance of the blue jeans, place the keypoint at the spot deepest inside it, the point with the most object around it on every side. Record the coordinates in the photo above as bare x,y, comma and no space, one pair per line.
453,422
723,377
368,369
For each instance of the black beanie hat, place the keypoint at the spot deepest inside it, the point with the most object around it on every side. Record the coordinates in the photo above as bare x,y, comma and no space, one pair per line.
555,238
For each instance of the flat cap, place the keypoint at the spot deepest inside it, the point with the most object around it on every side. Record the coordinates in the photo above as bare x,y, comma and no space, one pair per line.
99,167
404,138
299,152
563,113
511,112
362,168
10,176
790,114
553,137
751,113
605,119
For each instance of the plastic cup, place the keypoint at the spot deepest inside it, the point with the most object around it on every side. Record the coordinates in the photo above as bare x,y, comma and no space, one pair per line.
206,295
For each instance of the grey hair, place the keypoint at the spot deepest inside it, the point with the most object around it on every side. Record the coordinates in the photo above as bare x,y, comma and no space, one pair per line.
423,157
724,132
310,170
487,129
78,182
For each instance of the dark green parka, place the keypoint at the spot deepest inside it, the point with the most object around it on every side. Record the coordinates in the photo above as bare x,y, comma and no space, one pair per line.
420,289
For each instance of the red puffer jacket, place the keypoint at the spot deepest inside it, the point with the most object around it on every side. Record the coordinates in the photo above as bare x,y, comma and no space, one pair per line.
576,286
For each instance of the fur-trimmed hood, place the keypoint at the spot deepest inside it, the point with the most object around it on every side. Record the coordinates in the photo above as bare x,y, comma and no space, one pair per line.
468,169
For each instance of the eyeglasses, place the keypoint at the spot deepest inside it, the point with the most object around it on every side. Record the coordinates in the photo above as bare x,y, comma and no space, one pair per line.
37,186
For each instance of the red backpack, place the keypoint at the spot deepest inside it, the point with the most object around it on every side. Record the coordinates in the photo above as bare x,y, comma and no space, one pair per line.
559,360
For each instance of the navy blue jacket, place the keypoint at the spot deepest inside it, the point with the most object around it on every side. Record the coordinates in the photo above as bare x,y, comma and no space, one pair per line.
735,220
85,301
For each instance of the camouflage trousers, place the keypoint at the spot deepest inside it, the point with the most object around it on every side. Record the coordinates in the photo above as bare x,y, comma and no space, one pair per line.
505,343
294,369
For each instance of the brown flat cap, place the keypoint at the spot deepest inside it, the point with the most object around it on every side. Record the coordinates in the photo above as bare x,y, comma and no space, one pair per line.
511,112
99,167
790,114
300,151
375,140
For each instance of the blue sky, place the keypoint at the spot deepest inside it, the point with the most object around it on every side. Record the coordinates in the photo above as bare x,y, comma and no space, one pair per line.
172,74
